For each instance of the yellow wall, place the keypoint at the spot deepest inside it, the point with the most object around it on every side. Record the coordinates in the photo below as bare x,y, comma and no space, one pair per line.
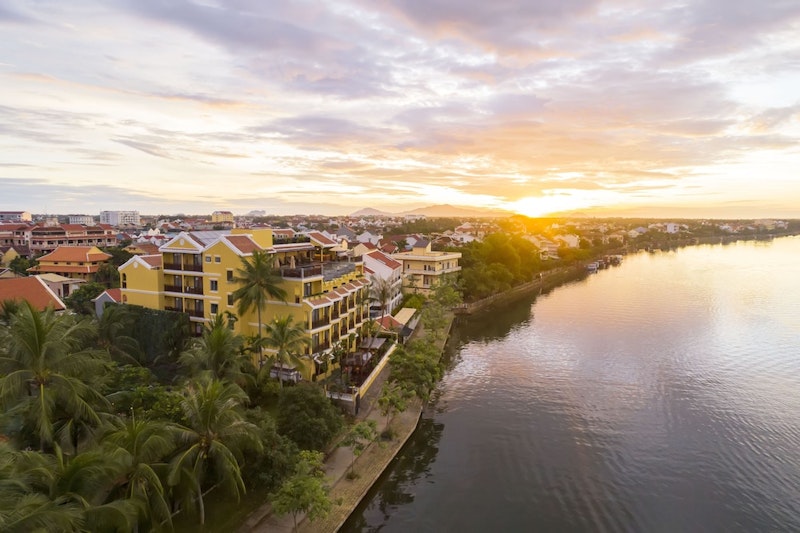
141,285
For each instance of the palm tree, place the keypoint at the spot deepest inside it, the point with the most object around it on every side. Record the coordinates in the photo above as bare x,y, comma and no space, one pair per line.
287,339
212,440
24,502
47,370
139,445
112,328
218,351
259,283
380,291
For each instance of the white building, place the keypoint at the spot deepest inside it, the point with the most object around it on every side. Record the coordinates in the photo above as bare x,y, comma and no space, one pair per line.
379,265
119,218
86,220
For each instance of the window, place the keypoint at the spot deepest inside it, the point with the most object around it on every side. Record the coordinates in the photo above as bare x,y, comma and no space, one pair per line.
217,259
214,309
214,285
230,300
230,275
208,259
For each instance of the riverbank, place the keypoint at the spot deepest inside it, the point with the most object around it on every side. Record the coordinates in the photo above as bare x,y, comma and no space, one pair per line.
369,466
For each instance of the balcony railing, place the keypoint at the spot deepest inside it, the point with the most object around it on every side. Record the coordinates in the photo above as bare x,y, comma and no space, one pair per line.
320,322
301,272
320,347
194,290
179,266
191,312
173,288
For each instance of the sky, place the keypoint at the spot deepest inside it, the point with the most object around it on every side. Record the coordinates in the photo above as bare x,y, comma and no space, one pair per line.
620,108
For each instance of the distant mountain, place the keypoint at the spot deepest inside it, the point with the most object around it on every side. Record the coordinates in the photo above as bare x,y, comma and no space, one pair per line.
444,211
370,212
450,211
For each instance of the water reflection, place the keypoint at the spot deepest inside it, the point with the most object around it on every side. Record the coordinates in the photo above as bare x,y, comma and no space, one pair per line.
396,486
659,396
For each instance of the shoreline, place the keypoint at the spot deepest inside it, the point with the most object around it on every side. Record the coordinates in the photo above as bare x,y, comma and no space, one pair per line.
377,457
369,466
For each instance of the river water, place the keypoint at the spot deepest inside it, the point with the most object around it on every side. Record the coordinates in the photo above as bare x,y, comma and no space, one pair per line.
660,395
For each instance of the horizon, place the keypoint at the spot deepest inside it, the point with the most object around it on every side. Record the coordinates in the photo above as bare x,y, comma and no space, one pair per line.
681,111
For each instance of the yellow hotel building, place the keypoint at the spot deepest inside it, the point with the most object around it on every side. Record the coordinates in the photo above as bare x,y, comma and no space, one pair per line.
193,273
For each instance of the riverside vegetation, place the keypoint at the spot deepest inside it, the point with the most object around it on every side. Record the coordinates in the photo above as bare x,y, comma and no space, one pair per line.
125,423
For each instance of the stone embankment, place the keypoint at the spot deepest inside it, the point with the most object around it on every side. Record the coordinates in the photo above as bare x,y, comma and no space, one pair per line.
373,461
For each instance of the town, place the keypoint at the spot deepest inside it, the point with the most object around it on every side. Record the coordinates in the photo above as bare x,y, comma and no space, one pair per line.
317,330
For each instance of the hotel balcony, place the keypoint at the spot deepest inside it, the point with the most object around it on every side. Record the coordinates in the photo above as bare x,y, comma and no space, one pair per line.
329,270
179,266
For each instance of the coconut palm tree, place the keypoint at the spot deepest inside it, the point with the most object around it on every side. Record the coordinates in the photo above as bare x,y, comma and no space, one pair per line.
287,339
47,370
24,503
380,291
140,445
259,283
113,327
220,352
213,439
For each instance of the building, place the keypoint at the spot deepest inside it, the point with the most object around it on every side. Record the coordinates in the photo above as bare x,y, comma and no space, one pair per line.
45,239
424,269
15,216
31,289
109,296
120,218
218,217
78,262
86,220
61,285
194,273
378,265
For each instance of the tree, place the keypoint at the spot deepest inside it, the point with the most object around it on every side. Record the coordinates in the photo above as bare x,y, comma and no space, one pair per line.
107,275
139,445
24,506
20,265
393,400
287,339
307,416
218,351
47,370
113,327
80,300
358,438
380,291
415,368
305,491
259,283
212,441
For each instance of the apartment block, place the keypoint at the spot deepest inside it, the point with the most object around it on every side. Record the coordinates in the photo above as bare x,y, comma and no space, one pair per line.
424,268
195,272
120,218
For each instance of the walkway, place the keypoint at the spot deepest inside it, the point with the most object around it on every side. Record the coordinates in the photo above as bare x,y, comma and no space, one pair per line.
369,466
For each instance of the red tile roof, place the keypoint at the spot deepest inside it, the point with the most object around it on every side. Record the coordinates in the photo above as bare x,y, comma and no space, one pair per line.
65,269
31,289
153,260
243,243
385,259
114,294
321,239
77,254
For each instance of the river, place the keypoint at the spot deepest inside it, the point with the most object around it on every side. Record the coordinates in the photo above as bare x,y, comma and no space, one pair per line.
660,395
